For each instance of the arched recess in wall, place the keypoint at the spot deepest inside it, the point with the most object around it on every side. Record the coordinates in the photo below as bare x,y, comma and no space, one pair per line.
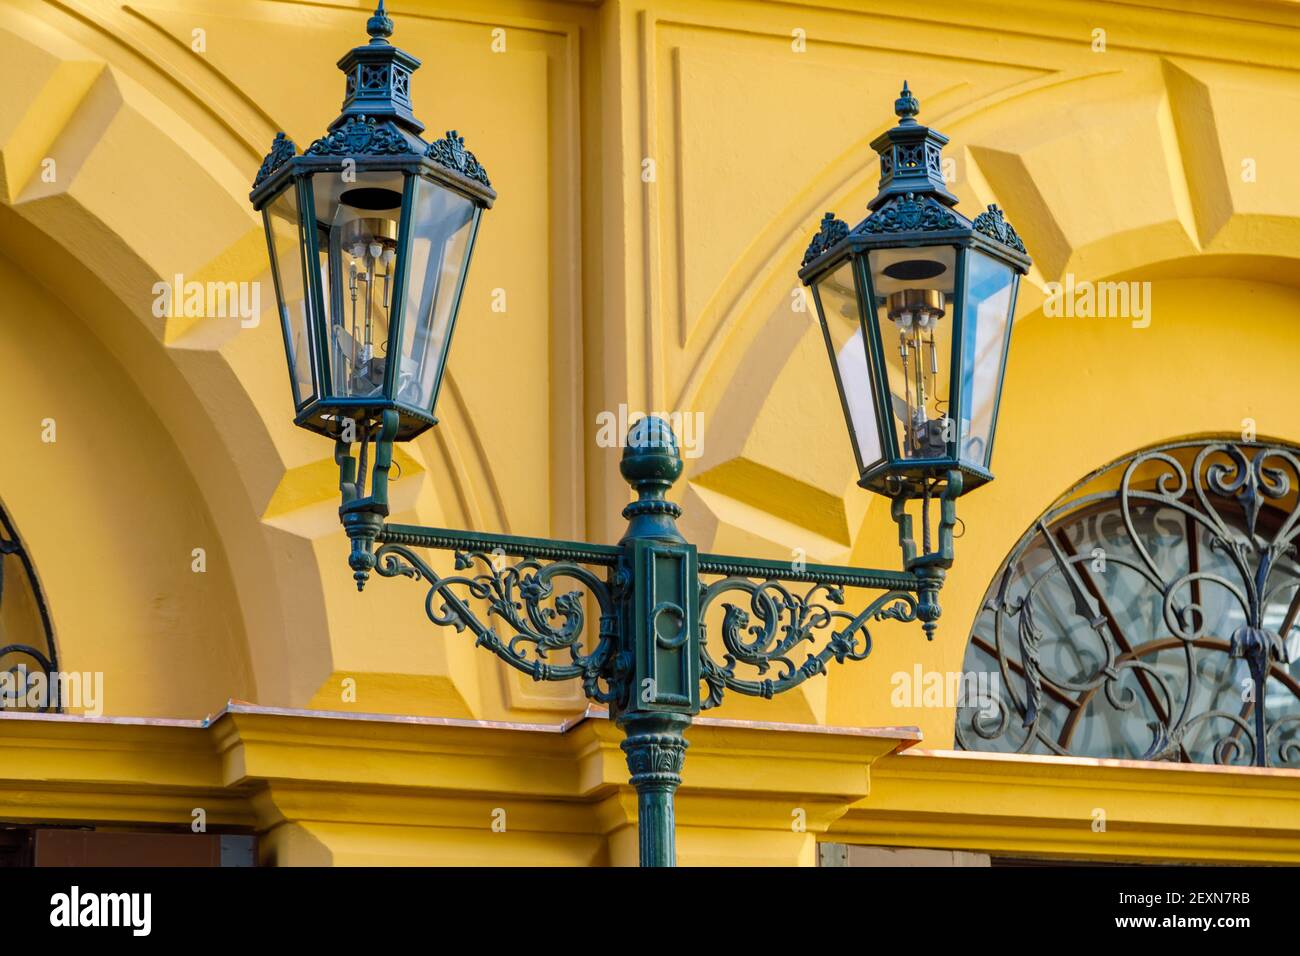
134,575
125,160
1119,624
139,518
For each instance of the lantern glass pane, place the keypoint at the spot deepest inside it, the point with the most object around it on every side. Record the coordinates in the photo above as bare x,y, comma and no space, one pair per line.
284,239
358,223
985,325
913,308
837,306
442,233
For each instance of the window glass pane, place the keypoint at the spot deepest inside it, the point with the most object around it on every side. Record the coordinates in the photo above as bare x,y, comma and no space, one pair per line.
441,236
989,285
838,304
358,221
913,292
284,238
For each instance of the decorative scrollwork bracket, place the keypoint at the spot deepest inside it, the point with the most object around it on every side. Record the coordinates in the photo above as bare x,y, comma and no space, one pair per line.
649,658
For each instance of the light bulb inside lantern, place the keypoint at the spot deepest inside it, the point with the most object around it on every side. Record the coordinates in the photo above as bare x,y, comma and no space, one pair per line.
917,313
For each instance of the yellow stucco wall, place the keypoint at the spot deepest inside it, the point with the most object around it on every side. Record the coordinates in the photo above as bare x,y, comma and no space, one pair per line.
672,295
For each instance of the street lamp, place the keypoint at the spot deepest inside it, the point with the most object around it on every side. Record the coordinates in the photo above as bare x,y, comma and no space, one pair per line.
915,304
369,233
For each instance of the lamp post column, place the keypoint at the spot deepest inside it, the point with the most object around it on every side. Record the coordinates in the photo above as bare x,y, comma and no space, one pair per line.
656,749
657,588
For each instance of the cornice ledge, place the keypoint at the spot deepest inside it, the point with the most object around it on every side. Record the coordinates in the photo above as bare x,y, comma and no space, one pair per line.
273,764
1037,805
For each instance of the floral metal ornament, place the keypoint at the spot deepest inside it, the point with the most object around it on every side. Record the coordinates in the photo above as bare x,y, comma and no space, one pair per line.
786,621
523,599
362,135
282,150
1154,620
909,213
832,231
992,224
451,153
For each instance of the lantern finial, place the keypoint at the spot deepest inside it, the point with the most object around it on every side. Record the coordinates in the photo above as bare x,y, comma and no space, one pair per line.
380,26
906,106
379,79
911,157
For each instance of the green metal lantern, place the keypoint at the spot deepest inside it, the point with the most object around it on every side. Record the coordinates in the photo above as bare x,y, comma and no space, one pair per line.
370,232
916,305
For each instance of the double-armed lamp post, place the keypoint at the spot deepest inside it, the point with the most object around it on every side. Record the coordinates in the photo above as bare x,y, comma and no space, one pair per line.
370,231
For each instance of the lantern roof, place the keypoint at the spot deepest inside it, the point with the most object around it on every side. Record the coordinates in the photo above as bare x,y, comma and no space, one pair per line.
376,127
913,203
379,78
911,157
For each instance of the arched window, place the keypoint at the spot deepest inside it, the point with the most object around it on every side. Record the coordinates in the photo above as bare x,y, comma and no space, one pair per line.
1139,615
27,655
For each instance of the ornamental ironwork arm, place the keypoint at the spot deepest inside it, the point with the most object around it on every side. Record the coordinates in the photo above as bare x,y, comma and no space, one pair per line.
784,620
770,624
541,606
534,611
529,600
